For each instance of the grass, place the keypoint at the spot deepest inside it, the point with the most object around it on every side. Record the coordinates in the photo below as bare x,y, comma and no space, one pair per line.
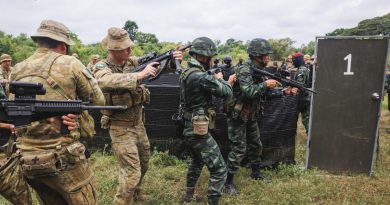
291,184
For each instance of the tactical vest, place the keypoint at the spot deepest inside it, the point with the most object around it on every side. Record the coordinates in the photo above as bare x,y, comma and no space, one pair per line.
134,99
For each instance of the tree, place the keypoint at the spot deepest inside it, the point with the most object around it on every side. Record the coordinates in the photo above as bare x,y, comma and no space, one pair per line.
308,49
282,47
132,28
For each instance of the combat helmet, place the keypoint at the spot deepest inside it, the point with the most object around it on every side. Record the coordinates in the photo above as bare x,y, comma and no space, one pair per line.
258,47
227,58
203,46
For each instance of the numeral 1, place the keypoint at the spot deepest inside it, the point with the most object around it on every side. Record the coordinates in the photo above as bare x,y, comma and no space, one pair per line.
349,58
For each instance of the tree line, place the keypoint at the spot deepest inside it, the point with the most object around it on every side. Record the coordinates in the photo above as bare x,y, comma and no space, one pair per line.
20,47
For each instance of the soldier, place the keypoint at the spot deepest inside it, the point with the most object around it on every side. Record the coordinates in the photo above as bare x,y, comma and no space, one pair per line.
198,88
54,163
243,111
216,62
227,67
5,70
94,59
303,76
127,131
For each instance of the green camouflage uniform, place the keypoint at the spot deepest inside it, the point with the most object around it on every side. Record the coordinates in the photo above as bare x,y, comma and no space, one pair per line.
127,131
242,113
197,90
303,76
68,178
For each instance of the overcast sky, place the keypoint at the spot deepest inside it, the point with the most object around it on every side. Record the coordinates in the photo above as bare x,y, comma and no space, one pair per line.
180,20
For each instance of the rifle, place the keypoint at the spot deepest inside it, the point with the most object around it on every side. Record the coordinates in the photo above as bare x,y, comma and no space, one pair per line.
257,73
158,58
26,109
147,58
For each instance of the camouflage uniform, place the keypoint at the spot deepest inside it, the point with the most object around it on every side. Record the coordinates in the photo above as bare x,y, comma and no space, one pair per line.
242,113
54,163
130,142
91,64
197,90
13,185
4,72
303,76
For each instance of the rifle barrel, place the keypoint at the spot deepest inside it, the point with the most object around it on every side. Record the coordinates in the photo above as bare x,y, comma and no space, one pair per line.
94,107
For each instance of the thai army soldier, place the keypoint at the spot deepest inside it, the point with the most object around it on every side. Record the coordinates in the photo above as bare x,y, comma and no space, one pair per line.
121,86
243,111
93,60
227,68
198,88
303,76
54,163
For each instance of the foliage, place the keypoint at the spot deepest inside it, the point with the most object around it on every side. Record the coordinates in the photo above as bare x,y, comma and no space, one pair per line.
375,26
132,28
282,48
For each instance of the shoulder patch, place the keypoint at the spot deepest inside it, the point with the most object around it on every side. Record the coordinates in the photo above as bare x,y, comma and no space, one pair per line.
100,65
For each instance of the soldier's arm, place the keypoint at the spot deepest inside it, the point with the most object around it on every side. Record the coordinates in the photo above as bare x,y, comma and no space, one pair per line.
108,80
86,85
249,88
3,81
217,87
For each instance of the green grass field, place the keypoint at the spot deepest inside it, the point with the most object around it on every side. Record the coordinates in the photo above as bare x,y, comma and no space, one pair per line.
165,180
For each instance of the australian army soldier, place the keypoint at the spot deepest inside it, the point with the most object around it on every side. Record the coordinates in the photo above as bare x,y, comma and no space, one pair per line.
5,70
198,87
243,110
54,163
121,86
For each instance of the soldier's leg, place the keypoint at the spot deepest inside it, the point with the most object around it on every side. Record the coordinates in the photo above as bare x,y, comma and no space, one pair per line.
254,148
305,114
144,156
212,158
129,171
13,185
237,139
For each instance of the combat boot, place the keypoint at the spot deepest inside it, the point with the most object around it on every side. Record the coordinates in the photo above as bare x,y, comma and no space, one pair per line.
189,196
257,175
139,197
229,185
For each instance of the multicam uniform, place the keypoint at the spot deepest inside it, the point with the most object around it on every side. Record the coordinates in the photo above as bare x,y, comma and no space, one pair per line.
198,88
127,131
54,163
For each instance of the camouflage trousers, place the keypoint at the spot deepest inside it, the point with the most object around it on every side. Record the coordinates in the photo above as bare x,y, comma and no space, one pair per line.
13,185
305,115
205,151
73,185
244,139
132,149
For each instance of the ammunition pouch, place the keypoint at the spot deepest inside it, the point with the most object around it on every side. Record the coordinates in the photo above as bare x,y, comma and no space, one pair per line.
140,95
242,111
40,163
200,125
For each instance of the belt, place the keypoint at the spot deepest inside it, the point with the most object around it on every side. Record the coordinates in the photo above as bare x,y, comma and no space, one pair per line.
124,123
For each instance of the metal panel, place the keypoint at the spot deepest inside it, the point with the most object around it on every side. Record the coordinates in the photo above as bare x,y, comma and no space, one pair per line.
349,79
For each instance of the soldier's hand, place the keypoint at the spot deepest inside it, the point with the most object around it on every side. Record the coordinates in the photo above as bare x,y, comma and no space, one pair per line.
177,55
7,126
70,121
232,79
294,91
218,75
148,71
271,83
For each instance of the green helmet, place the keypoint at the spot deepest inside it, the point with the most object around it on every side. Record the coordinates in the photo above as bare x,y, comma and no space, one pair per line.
203,46
258,47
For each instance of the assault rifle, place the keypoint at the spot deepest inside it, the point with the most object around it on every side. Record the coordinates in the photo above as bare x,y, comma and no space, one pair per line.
212,71
26,109
158,58
147,58
257,73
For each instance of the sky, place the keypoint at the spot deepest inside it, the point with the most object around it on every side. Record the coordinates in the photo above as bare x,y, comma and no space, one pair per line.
182,21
